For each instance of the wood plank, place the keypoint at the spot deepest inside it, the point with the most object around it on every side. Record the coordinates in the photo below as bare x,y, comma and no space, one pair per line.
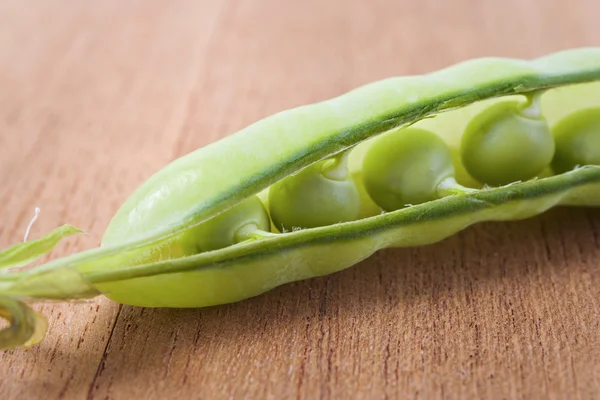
99,95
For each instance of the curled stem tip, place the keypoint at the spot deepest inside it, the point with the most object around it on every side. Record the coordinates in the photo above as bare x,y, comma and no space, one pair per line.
36,214
27,327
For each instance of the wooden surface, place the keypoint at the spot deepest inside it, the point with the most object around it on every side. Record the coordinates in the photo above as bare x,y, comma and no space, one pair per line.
96,96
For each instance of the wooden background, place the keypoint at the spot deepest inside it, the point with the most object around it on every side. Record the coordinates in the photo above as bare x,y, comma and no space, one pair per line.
97,95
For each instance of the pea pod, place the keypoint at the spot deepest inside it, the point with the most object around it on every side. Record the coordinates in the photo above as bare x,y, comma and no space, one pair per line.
155,251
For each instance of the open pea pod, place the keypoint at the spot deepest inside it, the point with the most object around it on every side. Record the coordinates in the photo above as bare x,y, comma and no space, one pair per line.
316,189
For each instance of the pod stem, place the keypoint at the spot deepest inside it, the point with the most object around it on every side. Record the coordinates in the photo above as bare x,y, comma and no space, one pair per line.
533,107
251,231
449,186
336,168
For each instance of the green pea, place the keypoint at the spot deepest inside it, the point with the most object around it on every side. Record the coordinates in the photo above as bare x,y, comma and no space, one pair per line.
228,228
405,167
577,138
510,141
322,194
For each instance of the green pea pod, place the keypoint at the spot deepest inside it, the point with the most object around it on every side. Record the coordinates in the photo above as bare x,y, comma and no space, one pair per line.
145,258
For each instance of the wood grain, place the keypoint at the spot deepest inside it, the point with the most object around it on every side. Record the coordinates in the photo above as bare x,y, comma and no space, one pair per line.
99,95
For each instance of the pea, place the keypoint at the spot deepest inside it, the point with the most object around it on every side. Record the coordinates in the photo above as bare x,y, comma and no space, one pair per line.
405,167
324,193
507,142
577,138
228,228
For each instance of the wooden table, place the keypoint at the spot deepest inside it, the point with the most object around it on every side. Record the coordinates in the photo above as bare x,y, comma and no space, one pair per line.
97,96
